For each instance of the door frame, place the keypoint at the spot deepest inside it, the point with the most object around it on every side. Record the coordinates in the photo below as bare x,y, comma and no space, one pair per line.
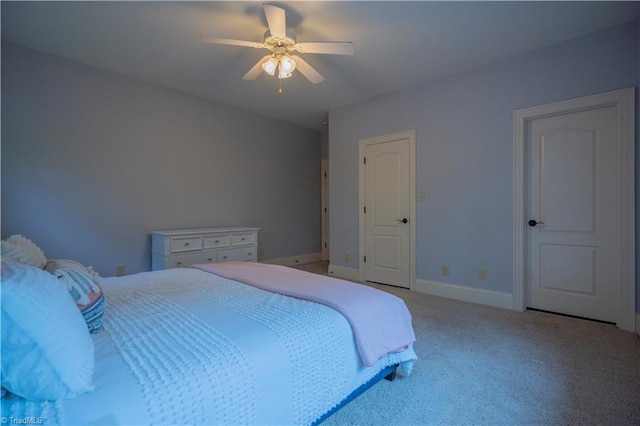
363,143
624,101
324,205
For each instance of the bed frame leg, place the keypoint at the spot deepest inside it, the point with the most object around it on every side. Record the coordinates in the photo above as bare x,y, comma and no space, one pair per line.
391,376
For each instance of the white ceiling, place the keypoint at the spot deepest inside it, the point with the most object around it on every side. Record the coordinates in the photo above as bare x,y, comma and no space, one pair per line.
397,44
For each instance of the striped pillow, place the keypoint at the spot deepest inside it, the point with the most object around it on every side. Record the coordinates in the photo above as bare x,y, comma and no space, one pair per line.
83,285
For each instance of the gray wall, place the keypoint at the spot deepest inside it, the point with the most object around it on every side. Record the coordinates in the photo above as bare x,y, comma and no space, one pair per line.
464,150
92,161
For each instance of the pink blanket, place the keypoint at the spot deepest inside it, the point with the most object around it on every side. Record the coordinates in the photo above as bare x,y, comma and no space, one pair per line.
380,321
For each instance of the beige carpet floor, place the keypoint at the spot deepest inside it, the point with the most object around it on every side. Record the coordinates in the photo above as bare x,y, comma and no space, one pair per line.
487,366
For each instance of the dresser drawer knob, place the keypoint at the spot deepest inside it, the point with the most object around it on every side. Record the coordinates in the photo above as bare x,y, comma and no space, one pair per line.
186,244
209,259
178,263
243,238
217,241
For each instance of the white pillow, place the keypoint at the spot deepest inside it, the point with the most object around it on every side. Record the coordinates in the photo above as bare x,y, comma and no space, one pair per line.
23,250
47,352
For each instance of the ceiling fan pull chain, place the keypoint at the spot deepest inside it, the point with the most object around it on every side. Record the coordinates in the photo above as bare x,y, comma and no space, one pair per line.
280,88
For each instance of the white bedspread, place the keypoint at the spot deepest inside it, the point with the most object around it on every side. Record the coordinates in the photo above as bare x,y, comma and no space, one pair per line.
182,346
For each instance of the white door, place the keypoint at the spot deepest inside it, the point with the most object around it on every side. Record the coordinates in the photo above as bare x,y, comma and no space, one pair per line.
573,239
387,256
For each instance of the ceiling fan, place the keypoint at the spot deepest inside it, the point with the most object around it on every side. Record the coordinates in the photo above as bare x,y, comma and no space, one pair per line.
283,45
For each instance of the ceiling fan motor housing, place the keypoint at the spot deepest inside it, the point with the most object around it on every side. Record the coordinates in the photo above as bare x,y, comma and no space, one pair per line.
276,44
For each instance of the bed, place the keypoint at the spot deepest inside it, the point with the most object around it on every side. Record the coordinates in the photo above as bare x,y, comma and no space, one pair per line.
193,346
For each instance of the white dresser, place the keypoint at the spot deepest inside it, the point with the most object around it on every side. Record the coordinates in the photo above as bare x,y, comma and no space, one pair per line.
183,247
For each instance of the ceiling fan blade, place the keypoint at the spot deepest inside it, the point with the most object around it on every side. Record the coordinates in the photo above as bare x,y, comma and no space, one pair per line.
231,42
327,47
277,21
307,70
255,71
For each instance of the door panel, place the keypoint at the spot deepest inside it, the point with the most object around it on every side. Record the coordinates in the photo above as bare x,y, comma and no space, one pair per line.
386,252
568,176
572,260
568,269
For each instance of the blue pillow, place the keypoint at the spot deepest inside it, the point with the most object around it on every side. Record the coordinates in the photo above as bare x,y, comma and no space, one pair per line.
47,352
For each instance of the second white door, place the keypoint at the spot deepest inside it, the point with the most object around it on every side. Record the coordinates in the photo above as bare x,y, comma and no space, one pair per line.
387,257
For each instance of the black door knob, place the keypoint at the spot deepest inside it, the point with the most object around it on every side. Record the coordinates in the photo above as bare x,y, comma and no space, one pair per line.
403,220
533,222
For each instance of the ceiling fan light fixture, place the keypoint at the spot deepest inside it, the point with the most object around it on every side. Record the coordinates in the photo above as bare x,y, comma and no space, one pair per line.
283,74
270,65
287,64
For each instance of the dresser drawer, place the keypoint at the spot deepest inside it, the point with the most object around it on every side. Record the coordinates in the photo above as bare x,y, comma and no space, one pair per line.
215,241
243,239
247,254
207,257
187,259
186,244
182,260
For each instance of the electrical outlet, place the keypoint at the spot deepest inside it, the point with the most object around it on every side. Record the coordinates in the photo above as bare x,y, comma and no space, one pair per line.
482,273
445,270
121,270
347,257
421,196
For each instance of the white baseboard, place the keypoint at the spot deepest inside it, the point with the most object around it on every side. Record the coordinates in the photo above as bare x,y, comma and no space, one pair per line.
296,260
351,274
496,299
